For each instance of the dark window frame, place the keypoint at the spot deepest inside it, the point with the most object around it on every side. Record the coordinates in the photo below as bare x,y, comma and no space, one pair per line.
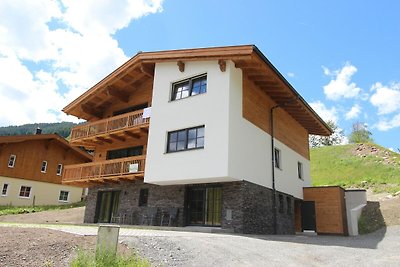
186,139
24,190
11,161
63,194
4,190
190,86
43,168
277,158
143,197
300,174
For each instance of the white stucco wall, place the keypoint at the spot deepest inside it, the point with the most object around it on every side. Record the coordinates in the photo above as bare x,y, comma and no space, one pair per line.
235,149
41,193
210,109
250,149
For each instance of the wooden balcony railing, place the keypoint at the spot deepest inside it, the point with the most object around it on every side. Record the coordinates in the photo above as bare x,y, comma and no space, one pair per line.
109,125
101,171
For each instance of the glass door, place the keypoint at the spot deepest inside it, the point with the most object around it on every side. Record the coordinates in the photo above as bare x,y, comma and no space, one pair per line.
107,205
204,205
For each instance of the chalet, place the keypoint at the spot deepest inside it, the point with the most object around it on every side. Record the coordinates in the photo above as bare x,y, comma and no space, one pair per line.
31,170
210,137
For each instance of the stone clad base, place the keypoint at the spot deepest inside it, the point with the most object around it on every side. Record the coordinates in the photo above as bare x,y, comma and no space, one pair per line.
246,207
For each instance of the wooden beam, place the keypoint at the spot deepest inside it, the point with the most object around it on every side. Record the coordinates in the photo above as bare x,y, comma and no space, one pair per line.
147,70
124,97
102,139
91,111
247,65
117,137
144,130
222,65
133,135
181,66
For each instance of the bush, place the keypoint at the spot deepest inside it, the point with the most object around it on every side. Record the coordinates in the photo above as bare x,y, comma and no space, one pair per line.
104,258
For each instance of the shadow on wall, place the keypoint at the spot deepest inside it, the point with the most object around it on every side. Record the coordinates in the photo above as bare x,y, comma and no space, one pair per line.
372,229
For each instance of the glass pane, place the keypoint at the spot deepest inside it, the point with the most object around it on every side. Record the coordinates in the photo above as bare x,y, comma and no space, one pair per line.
182,135
191,143
173,137
200,142
172,146
200,132
185,93
192,134
181,145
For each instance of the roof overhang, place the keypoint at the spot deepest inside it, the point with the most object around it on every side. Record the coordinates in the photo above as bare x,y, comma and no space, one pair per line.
255,66
44,137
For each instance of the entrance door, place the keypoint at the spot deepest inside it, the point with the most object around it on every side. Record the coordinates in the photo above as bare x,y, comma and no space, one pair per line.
107,205
308,216
204,206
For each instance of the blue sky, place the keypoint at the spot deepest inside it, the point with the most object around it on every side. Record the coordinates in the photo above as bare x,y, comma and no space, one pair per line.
341,56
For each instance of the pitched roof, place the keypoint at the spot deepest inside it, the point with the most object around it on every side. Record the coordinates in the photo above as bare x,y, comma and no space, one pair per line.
58,139
140,69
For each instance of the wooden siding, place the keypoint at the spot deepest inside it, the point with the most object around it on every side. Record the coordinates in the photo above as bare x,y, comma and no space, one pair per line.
330,209
256,109
31,154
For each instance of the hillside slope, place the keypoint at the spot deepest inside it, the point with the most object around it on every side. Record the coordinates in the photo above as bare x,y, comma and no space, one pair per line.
61,128
366,166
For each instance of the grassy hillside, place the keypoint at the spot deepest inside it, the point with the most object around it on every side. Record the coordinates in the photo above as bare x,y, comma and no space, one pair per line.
361,166
61,128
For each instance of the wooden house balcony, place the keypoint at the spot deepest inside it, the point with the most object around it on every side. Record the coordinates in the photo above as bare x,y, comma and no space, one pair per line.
118,128
107,171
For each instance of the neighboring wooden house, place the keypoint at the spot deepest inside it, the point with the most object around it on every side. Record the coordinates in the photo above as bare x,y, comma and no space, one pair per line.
31,169
226,145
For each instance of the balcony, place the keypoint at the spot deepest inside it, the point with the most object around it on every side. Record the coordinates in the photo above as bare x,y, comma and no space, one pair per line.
117,128
107,171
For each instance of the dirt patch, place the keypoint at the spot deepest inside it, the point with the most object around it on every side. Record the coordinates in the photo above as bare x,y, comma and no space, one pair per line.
74,215
40,247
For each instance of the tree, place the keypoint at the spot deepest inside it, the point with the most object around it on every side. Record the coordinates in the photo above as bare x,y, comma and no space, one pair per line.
337,138
360,134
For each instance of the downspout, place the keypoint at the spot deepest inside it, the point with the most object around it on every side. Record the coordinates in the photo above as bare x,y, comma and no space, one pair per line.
273,169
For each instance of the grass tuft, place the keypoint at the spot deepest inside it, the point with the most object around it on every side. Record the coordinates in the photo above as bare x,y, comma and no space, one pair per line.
104,258
7,210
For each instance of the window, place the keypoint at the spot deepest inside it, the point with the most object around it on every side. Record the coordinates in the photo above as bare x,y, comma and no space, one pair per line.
25,191
11,161
280,203
300,170
125,152
289,205
63,196
143,197
186,139
277,158
44,166
189,87
59,169
4,190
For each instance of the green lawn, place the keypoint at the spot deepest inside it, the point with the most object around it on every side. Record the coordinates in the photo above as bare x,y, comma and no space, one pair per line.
337,165
5,210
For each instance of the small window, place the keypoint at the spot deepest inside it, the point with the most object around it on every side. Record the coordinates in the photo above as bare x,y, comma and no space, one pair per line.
25,191
300,170
289,205
4,190
186,139
44,166
277,158
11,161
189,87
63,196
143,197
59,169
280,203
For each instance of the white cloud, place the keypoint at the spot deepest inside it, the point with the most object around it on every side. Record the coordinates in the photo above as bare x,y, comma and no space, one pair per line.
353,112
325,113
386,98
290,74
385,124
47,45
341,86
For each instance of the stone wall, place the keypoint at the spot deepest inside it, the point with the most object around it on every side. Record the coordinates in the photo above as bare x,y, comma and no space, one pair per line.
246,207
